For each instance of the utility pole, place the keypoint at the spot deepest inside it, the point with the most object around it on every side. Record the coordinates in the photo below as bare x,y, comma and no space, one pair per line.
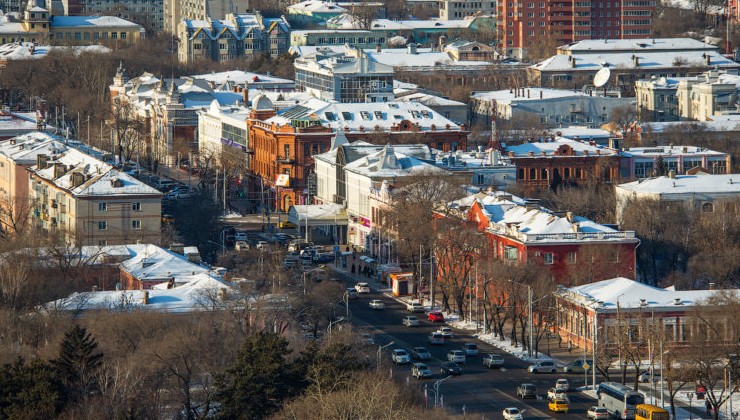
431,277
529,321
595,343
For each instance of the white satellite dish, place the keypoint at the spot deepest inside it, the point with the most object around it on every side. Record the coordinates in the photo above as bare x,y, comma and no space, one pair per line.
602,77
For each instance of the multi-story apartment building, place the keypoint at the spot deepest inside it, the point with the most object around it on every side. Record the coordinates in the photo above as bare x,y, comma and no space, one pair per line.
222,134
656,99
89,202
236,36
629,60
522,24
344,78
458,9
571,248
359,38
177,10
147,13
642,162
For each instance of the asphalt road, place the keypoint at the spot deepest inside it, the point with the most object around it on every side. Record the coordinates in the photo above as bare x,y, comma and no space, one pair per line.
479,390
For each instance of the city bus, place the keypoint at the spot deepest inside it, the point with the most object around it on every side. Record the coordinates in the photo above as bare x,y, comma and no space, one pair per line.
650,412
620,400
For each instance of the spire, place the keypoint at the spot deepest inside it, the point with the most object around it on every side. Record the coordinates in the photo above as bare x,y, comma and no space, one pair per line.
121,76
173,94
339,139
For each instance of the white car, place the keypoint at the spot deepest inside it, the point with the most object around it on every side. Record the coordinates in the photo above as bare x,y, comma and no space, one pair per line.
512,413
470,349
562,384
457,356
415,307
556,394
544,366
400,357
411,321
596,413
262,245
377,304
362,288
446,332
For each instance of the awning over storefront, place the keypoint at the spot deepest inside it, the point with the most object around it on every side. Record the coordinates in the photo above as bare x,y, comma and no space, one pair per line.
318,215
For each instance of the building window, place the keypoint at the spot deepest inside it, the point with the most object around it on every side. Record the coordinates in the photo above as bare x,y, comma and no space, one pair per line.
511,253
136,224
572,257
136,206
547,258
102,206
102,225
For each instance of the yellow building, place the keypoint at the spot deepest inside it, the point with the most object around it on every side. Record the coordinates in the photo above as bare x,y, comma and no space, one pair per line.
90,202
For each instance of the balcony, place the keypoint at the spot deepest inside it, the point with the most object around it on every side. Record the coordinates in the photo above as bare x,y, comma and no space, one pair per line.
285,159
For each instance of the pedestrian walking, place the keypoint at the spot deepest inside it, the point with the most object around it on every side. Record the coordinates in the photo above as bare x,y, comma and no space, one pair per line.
708,405
361,267
353,268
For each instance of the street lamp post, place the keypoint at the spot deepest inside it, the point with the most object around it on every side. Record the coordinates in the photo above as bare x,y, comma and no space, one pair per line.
346,302
380,349
340,319
690,396
435,388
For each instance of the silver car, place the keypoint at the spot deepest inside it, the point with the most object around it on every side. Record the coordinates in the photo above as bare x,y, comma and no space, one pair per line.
457,356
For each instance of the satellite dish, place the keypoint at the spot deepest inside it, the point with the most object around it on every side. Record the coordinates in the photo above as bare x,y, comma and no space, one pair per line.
602,77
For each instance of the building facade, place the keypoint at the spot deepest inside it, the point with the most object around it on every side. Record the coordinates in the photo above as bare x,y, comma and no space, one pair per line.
571,248
177,10
644,162
358,37
314,12
656,99
222,134
88,202
147,13
458,9
237,36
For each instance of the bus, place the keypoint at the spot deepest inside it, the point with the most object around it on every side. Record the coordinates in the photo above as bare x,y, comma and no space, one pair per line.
650,412
618,399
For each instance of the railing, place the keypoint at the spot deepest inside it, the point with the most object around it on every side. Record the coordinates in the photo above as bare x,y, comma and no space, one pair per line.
512,231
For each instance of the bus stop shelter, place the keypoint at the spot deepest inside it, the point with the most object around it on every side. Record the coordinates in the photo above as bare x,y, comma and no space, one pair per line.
332,218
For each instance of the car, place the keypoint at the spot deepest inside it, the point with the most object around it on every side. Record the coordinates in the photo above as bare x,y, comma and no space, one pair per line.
362,288
558,405
646,377
493,361
351,293
261,245
525,391
286,224
414,306
241,235
446,332
400,357
377,304
241,246
367,339
451,368
421,353
436,316
287,263
165,184
457,356
596,413
436,338
543,366
562,384
576,366
411,321
322,257
421,371
554,393
470,349
512,413
168,219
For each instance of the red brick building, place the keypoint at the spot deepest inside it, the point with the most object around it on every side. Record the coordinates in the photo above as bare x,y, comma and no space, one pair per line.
523,24
576,250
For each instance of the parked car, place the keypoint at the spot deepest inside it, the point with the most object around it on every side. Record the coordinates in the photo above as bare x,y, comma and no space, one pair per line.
436,316
414,307
165,184
362,288
421,353
493,361
322,257
470,349
351,293
241,246
411,321
558,406
562,384
512,413
377,304
596,413
241,235
436,338
576,366
262,245
525,391
554,393
547,366
421,371
446,332
457,356
646,377
400,356
451,368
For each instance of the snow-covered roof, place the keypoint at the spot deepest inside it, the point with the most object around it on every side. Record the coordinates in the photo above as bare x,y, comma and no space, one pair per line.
24,51
24,149
623,293
428,100
240,77
507,96
512,216
719,123
99,21
203,292
353,116
347,21
315,6
152,263
575,132
655,151
645,44
700,183
359,149
551,147
98,177
388,163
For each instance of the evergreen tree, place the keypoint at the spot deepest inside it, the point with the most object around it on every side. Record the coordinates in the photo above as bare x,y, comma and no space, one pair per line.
660,167
78,363
29,391
260,380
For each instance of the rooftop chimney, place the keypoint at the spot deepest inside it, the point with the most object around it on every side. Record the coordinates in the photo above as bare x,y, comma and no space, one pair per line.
59,170
378,48
41,161
711,286
643,302
677,301
636,60
672,174
77,179
145,298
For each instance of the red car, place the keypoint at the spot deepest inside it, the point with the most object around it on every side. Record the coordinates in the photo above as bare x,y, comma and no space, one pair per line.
436,317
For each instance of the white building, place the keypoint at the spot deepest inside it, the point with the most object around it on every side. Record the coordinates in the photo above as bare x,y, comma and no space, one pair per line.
549,107
223,134
642,162
486,168
699,192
